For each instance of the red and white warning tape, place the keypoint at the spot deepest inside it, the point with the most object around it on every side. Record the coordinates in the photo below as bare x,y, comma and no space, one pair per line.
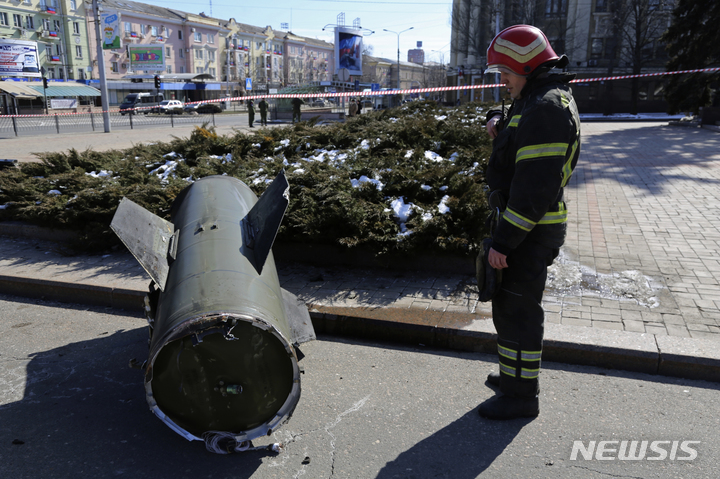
390,92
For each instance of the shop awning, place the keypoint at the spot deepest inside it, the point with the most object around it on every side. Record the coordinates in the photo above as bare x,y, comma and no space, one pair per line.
67,90
18,90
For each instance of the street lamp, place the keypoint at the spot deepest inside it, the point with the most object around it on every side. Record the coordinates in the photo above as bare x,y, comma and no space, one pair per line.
398,43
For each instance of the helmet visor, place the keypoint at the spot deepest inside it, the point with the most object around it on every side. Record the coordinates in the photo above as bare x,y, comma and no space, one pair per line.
499,68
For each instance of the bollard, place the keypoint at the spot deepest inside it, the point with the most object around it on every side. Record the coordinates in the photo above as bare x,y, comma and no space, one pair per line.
131,115
57,123
15,126
92,121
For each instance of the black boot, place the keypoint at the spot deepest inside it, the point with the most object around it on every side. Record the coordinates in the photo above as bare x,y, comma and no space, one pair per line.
493,379
509,407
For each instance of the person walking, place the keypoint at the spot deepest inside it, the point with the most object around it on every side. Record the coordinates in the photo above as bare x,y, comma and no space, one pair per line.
263,107
296,104
251,112
536,144
352,108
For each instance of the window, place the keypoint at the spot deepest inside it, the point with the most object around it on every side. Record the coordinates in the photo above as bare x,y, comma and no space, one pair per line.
61,73
58,50
555,7
57,26
198,37
596,48
211,38
81,74
601,5
128,27
78,51
73,4
17,20
50,72
198,69
46,24
3,18
212,71
211,56
182,69
258,45
29,23
169,68
114,67
198,54
181,52
154,30
76,28
179,34
167,53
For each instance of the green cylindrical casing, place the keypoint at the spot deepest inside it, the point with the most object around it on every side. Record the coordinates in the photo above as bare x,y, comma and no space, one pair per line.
220,358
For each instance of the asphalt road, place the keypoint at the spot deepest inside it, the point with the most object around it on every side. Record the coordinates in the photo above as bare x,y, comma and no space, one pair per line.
70,407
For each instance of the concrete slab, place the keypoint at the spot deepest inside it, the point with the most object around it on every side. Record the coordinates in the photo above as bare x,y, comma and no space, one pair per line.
689,358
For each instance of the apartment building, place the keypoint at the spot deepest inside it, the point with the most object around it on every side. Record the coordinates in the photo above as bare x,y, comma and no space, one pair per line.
58,27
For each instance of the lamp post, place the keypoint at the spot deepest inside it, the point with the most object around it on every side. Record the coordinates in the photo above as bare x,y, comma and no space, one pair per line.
398,55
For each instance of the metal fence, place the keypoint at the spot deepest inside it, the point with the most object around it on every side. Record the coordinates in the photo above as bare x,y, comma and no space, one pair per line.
20,125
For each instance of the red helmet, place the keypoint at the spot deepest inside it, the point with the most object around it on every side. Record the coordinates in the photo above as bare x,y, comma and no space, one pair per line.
519,49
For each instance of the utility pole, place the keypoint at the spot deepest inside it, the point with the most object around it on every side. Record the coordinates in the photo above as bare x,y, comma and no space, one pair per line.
101,68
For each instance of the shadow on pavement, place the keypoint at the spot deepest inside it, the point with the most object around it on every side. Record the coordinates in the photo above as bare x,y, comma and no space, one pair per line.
461,450
643,156
84,414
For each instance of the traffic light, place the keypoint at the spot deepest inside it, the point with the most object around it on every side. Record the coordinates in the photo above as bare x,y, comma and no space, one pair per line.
157,81
44,82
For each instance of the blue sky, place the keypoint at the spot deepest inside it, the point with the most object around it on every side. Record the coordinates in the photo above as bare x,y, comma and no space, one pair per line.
430,20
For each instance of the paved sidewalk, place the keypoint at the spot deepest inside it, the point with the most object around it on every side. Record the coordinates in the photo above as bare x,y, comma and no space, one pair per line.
635,287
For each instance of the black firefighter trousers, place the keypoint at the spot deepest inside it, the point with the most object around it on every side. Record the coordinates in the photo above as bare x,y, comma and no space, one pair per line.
519,318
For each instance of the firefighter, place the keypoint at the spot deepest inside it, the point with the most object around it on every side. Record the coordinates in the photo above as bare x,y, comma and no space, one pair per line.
536,144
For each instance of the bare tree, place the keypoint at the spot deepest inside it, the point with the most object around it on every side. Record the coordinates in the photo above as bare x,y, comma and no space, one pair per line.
636,28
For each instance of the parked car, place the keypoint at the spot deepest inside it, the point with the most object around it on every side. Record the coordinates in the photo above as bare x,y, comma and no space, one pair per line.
170,107
203,108
319,102
135,103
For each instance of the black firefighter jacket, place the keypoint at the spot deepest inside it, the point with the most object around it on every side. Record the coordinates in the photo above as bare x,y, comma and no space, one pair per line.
533,158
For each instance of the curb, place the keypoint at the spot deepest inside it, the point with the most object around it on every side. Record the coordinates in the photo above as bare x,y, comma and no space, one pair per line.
638,352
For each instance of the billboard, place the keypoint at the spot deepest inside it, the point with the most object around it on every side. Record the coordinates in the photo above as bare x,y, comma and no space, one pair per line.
110,30
348,50
146,57
19,58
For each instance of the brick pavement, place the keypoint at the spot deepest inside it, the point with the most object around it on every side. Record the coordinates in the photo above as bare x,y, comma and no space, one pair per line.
645,198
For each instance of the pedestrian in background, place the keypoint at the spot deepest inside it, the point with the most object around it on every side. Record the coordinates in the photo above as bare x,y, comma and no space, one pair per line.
263,107
251,112
536,144
352,108
296,104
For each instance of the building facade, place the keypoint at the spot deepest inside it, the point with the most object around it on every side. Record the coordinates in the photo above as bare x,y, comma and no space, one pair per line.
600,37
58,27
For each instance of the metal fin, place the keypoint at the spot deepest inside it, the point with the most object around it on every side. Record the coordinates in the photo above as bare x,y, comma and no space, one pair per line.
147,236
298,317
261,224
